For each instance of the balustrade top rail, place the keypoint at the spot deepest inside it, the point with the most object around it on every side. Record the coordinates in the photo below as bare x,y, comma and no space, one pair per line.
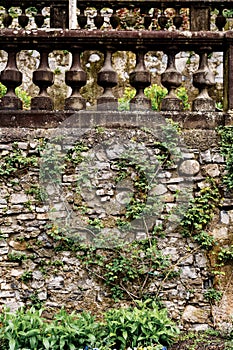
56,39
110,3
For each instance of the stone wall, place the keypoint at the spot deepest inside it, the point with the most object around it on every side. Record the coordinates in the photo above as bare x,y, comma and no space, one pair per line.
38,213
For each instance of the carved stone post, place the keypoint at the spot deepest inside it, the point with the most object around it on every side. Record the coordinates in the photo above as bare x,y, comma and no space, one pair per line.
162,19
107,78
7,19
114,19
82,18
140,78
39,18
23,19
171,79
11,77
199,17
203,79
98,19
76,78
144,11
59,15
220,20
43,77
177,19
228,79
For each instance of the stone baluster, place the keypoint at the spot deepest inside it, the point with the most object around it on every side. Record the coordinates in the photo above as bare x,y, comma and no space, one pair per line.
82,18
147,18
177,19
11,77
171,79
228,79
39,18
162,20
220,20
76,77
203,79
107,78
114,19
7,19
98,19
23,19
130,19
140,78
43,77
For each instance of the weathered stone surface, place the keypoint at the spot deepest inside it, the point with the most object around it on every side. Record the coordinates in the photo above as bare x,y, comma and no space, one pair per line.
159,190
230,213
220,233
56,282
212,170
193,314
18,245
189,167
28,216
188,272
224,217
37,284
201,260
17,198
205,157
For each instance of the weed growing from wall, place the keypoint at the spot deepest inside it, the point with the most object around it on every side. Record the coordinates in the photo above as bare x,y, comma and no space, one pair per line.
226,147
200,214
155,94
16,162
21,94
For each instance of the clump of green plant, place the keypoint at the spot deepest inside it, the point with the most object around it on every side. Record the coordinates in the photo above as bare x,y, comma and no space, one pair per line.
226,254
203,339
24,97
52,162
16,160
75,154
26,276
122,327
17,257
20,93
3,90
199,215
213,295
155,94
127,269
38,193
139,326
226,144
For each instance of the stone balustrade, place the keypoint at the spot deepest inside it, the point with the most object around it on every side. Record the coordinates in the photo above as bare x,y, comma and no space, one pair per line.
153,15
132,26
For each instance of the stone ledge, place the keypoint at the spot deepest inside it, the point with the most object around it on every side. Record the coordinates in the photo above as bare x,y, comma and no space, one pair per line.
52,119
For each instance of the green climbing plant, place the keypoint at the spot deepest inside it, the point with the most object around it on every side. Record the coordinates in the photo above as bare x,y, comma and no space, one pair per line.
226,147
20,93
200,213
16,161
155,94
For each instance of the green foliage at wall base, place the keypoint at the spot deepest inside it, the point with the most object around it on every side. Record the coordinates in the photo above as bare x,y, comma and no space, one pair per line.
119,329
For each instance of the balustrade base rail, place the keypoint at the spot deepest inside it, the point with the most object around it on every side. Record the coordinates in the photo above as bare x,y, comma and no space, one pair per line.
53,119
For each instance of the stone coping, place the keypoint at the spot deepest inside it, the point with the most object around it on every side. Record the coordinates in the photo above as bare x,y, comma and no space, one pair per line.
51,119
